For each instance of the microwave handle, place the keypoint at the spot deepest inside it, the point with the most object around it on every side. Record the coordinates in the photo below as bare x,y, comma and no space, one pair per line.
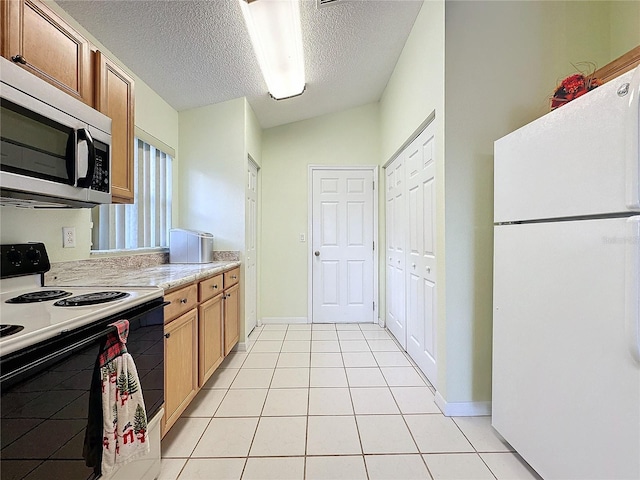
83,134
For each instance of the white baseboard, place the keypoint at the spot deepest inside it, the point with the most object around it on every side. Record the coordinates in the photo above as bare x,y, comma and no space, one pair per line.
462,409
240,347
283,320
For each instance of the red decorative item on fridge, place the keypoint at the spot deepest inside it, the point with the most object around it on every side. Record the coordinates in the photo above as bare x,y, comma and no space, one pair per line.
573,86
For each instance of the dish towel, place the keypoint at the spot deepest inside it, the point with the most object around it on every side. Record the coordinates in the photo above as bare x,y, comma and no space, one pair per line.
124,415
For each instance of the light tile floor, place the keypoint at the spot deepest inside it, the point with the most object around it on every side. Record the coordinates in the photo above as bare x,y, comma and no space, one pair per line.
323,402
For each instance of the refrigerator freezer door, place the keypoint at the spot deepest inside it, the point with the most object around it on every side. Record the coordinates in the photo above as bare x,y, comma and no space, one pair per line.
566,387
578,160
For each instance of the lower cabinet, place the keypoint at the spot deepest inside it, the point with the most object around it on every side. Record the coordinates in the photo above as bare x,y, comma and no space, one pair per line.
202,325
210,334
231,318
181,365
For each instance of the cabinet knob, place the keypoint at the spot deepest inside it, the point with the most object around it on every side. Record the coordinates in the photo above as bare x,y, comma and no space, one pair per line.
215,287
317,253
183,300
19,59
167,335
234,277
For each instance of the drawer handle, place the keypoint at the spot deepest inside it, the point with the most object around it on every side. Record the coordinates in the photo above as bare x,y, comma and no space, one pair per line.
233,277
167,335
183,300
215,287
19,59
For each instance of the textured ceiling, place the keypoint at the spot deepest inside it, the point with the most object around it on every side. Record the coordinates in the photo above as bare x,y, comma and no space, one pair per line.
195,53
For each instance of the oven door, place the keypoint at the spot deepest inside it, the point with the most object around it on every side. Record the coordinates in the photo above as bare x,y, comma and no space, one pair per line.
46,393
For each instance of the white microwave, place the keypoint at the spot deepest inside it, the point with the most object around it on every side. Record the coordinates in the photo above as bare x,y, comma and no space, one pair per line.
55,150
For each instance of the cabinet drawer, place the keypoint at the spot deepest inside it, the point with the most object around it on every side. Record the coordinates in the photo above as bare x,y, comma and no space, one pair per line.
180,301
210,287
231,277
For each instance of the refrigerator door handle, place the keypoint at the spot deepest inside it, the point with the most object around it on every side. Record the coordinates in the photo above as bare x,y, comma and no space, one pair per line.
632,144
632,281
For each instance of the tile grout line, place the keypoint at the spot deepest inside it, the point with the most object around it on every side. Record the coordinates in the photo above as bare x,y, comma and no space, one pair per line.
270,387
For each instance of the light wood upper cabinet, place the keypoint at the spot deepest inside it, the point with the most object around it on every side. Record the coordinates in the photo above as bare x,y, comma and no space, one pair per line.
115,98
38,40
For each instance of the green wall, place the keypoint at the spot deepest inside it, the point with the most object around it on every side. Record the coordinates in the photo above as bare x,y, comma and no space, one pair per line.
345,138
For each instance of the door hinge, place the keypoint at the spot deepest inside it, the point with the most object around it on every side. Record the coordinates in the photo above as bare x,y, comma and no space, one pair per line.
374,306
374,245
374,184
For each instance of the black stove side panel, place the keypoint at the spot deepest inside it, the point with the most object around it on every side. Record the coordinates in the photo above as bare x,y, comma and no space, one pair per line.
20,259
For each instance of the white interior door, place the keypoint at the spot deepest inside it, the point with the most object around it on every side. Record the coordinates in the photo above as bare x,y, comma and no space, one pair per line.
396,220
251,284
421,255
342,243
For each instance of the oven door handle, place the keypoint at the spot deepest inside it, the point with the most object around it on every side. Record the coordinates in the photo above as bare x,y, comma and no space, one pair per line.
71,347
60,353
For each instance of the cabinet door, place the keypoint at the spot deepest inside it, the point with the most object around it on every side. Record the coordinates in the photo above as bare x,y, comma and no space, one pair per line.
211,349
180,365
115,98
231,318
38,40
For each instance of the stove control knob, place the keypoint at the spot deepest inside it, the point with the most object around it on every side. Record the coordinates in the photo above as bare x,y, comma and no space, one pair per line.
14,256
33,255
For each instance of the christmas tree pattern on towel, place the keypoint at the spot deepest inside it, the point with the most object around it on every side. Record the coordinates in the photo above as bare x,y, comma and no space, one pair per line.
124,414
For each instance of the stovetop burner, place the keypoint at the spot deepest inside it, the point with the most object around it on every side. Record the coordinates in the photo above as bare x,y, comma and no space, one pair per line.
39,296
6,330
91,299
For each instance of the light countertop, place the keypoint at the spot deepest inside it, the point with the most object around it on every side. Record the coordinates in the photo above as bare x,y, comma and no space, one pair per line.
166,276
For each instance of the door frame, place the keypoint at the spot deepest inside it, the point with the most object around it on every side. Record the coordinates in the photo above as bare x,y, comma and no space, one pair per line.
376,233
245,277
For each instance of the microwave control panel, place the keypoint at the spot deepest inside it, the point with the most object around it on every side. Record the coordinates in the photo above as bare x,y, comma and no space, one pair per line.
101,177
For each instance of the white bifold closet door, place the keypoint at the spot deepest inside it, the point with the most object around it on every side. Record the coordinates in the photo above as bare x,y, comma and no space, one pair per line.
411,253
396,253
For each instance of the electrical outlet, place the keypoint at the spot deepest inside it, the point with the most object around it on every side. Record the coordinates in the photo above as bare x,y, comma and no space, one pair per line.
68,237
303,238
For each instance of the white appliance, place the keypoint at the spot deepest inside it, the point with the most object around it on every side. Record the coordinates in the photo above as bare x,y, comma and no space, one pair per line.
566,338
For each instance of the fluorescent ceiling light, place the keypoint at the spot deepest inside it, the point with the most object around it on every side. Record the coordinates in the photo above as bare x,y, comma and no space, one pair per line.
276,35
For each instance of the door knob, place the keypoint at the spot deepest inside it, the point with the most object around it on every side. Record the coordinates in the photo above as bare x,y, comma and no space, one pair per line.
317,253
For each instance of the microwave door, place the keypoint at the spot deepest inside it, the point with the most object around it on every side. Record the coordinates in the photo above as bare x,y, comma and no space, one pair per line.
36,146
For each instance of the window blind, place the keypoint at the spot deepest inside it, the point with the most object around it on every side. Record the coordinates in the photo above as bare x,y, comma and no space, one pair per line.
147,221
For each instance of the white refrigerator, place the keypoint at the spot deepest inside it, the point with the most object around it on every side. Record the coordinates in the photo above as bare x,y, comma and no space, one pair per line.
566,341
